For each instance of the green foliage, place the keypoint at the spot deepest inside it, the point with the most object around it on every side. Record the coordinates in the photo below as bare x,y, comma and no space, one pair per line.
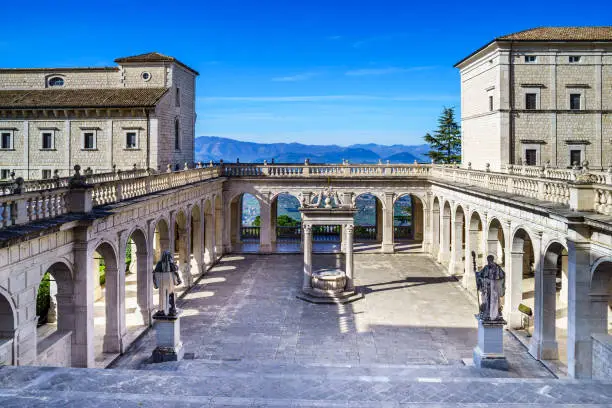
286,221
128,256
257,221
102,272
43,299
445,143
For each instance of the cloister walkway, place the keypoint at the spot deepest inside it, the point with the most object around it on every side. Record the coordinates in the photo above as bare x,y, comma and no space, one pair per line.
245,309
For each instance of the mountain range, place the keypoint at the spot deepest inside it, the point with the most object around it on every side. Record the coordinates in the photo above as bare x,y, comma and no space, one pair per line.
215,148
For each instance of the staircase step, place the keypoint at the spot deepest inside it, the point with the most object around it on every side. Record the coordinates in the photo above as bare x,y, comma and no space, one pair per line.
208,385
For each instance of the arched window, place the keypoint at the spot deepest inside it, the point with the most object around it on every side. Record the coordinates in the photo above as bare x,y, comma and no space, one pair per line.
178,97
177,134
56,81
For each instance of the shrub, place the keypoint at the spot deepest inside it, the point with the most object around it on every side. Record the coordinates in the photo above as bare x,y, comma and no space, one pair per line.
43,299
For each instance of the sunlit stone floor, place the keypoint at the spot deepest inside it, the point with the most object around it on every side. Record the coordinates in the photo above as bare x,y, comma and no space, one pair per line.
413,313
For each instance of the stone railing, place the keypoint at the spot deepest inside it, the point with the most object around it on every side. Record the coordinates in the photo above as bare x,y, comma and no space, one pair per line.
29,201
46,201
602,177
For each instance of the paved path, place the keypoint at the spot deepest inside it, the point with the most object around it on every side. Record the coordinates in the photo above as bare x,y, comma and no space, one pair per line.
251,343
246,309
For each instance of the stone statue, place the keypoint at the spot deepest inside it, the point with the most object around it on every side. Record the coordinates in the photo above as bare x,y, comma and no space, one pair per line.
165,277
491,283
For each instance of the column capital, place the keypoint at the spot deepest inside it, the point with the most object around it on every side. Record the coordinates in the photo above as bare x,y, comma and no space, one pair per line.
307,228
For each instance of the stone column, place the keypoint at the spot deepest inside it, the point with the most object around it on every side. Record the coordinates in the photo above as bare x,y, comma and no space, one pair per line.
427,228
209,239
543,345
82,338
471,244
513,265
379,221
388,246
343,239
514,288
579,314
144,284
444,254
185,249
456,261
307,238
350,284
417,220
273,220
265,233
116,330
435,233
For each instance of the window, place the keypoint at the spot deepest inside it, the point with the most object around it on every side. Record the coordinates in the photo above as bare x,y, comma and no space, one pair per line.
530,157
575,101
530,101
178,97
6,140
46,174
131,140
5,174
573,59
530,58
177,134
47,140
145,76
575,157
490,102
89,139
56,81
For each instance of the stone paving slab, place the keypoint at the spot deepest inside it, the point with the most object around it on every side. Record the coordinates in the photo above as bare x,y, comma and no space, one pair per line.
71,387
413,313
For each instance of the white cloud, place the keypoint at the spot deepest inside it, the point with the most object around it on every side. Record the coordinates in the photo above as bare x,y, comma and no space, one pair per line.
385,71
294,78
327,98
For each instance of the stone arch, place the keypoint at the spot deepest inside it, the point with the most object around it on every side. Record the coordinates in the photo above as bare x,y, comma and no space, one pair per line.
240,232
601,295
496,240
209,233
8,327
218,208
161,237
197,241
435,225
290,230
180,239
368,219
140,264
545,341
457,261
57,290
520,277
114,298
474,250
415,228
445,233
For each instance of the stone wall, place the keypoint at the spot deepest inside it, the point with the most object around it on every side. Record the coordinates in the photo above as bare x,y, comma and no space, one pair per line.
602,357
553,78
73,78
6,352
55,350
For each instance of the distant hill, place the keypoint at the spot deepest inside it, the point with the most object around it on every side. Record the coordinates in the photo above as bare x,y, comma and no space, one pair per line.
214,148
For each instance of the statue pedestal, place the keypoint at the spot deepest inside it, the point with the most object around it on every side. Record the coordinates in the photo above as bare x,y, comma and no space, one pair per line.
168,335
489,353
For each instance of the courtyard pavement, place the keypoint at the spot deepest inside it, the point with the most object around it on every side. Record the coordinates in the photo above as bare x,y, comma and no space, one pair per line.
245,308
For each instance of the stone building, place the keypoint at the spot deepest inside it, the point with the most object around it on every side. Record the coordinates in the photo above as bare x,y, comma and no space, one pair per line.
539,96
140,113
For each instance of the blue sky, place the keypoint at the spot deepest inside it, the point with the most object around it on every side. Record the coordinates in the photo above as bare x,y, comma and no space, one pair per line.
313,71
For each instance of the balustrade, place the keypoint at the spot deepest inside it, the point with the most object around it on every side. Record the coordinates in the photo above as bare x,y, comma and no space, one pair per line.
402,232
365,232
249,233
289,232
24,201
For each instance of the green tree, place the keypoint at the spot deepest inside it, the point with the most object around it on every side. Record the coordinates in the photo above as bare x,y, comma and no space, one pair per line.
445,143
286,221
257,221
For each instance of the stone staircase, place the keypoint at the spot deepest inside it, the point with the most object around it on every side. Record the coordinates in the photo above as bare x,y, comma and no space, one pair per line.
204,383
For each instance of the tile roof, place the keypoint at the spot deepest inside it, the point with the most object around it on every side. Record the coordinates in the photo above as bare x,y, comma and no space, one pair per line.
575,34
153,57
80,98
602,33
